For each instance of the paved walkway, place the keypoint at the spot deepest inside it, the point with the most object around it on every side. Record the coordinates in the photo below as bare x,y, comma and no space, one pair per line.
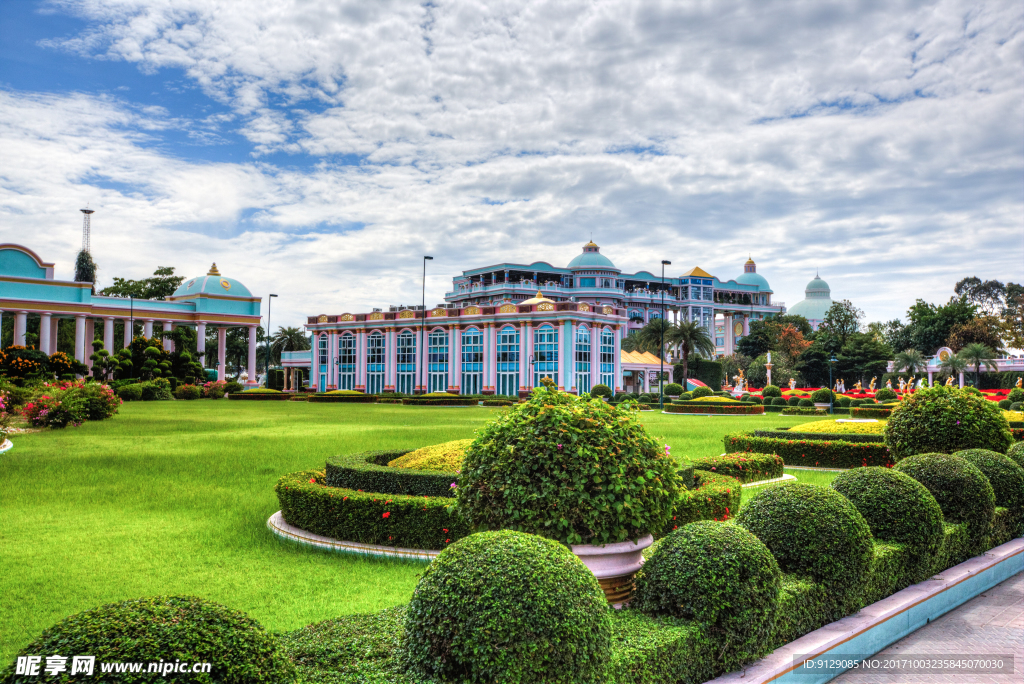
991,623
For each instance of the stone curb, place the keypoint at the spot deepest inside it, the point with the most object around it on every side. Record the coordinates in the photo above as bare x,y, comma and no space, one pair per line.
875,627
278,526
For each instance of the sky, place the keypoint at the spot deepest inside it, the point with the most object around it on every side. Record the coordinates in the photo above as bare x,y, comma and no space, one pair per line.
318,150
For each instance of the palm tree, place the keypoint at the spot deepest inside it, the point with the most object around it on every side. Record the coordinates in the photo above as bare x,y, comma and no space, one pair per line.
690,337
910,360
288,339
954,364
977,354
650,336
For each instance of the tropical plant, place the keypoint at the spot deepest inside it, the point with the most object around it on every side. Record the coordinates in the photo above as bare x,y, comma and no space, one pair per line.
288,339
651,335
977,355
85,268
910,360
953,365
690,337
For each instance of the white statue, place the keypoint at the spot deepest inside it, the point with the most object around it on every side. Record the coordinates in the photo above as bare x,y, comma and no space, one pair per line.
888,384
792,384
903,384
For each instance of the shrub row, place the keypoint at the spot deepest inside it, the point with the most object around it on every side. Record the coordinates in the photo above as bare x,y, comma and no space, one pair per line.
812,452
369,472
455,400
866,412
716,408
836,410
254,395
412,522
498,402
711,497
804,412
745,467
325,398
790,434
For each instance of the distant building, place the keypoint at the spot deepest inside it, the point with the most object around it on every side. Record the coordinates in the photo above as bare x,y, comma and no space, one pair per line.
817,301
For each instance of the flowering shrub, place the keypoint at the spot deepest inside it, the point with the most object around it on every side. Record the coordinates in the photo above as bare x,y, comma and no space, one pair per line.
214,389
446,457
59,404
746,467
5,416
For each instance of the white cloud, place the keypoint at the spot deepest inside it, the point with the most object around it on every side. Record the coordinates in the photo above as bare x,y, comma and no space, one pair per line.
881,142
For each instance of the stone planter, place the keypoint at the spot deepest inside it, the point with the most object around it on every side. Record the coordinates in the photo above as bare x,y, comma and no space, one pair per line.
6,445
614,565
822,406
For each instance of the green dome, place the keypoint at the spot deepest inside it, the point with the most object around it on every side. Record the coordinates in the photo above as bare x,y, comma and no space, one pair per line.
213,283
592,258
817,301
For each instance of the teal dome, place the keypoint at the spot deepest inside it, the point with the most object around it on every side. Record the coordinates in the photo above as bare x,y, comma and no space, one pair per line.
213,283
754,279
817,301
592,258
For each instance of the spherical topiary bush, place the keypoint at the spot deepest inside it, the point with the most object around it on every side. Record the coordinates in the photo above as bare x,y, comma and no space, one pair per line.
771,391
814,532
1016,453
1016,395
673,389
702,391
886,394
1015,406
779,401
945,419
581,472
794,401
1004,404
600,390
805,403
1005,476
822,396
168,628
844,402
898,509
962,491
508,607
720,575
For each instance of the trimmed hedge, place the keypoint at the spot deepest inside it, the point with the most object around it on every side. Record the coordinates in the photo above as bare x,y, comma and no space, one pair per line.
498,402
745,467
253,395
1016,453
963,492
368,471
872,412
327,398
508,607
722,577
715,408
412,522
814,532
169,629
454,400
710,497
898,509
787,433
804,411
1007,480
815,453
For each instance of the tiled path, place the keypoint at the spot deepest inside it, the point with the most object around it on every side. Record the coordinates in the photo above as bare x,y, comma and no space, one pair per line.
991,623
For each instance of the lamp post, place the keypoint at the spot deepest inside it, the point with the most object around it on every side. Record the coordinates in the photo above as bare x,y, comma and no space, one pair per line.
661,376
831,393
423,324
269,300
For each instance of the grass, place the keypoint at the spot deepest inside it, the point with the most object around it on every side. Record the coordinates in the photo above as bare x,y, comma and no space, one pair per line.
173,497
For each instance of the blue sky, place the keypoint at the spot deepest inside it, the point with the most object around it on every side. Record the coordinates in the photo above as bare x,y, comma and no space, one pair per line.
317,150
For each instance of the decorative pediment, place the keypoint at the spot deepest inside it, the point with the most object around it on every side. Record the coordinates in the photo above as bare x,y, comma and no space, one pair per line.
406,314
347,317
375,316
471,310
322,318
545,307
508,308
583,307
439,312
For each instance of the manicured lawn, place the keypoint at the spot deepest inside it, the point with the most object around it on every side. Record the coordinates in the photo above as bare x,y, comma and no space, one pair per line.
173,497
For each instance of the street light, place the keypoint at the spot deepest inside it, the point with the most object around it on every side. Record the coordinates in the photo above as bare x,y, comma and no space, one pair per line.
423,324
661,377
831,392
269,299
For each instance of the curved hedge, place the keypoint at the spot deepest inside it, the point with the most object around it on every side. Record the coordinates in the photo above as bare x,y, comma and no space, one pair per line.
945,420
814,453
1007,480
411,522
164,628
368,471
723,577
796,433
870,412
508,607
455,400
259,396
898,509
963,492
814,532
328,398
745,467
710,496
716,408
1016,453
498,402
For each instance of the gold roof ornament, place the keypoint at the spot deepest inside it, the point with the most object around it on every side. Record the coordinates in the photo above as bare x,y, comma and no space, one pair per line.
590,244
213,270
699,272
539,299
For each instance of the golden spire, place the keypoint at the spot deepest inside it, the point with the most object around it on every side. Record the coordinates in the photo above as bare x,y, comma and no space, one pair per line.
213,270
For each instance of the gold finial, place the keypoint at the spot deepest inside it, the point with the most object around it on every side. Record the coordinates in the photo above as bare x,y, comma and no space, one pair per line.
213,270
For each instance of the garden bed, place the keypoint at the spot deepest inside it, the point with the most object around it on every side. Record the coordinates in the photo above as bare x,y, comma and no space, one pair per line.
369,472
327,398
715,408
455,400
813,451
745,467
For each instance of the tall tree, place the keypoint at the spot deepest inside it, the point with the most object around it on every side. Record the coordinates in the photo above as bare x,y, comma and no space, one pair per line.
795,320
988,296
760,338
983,330
690,337
791,342
160,286
85,268
932,324
841,320
650,336
978,355
1012,317
862,357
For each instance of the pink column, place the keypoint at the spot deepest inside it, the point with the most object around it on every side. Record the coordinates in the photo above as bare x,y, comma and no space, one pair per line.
454,358
222,340
201,343
524,361
128,332
618,363
44,334
595,355
746,325
529,353
80,338
108,333
332,355
361,360
252,356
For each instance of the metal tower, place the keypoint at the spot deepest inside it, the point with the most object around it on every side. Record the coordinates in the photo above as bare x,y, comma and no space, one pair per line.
86,228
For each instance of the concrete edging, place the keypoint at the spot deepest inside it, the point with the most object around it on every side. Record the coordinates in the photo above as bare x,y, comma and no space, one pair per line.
785,478
6,446
875,627
276,524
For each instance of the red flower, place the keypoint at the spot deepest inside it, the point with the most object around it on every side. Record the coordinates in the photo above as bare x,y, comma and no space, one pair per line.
312,480
387,515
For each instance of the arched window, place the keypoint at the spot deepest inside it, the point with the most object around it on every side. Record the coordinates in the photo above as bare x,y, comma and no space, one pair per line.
347,361
508,361
406,370
375,360
582,359
607,370
472,361
437,361
545,354
322,361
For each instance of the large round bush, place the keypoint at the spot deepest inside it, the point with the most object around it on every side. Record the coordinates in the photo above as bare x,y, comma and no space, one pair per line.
1016,453
962,491
718,574
600,390
771,391
581,472
673,389
702,391
1005,476
814,532
898,509
822,396
508,607
944,420
885,394
167,628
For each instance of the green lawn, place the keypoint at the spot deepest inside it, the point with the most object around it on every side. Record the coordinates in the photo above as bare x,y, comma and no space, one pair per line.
173,497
